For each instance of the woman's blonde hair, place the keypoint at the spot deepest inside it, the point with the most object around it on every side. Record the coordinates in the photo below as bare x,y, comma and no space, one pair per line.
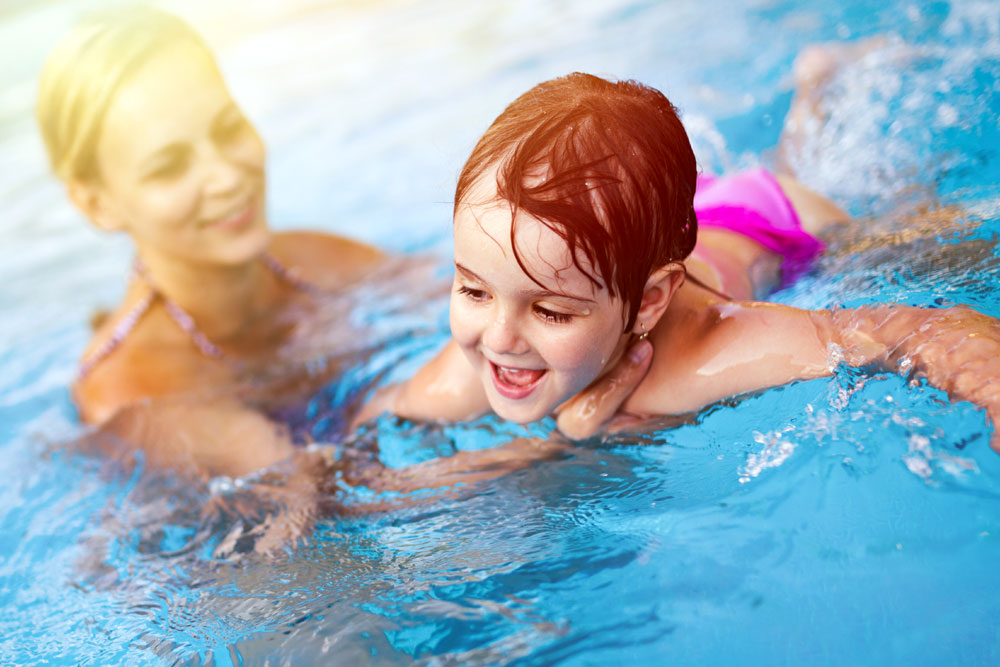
85,71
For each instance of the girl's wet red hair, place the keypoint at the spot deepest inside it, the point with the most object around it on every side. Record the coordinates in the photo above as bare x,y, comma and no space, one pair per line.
607,166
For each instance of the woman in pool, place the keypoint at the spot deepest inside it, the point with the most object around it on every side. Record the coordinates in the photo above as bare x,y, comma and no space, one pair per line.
575,228
140,126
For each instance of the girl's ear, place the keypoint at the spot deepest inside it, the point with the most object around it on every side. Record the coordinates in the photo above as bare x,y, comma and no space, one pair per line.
90,198
660,289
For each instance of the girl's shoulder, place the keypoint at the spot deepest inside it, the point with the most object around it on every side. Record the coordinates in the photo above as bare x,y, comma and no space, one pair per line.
726,350
326,260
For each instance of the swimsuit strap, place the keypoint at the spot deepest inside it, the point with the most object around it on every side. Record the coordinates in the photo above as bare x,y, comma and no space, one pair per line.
124,327
702,285
290,276
688,276
178,314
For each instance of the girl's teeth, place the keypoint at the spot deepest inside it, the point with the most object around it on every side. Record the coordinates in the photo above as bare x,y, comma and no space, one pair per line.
519,377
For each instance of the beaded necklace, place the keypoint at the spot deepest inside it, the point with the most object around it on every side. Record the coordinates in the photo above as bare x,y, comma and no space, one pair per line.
178,314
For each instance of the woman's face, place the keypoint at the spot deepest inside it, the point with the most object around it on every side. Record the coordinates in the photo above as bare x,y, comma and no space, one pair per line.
533,347
180,168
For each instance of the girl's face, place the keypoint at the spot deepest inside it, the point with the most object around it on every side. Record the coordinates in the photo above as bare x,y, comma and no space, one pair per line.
532,347
181,170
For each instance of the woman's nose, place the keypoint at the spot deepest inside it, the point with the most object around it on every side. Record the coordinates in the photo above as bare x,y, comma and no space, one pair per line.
503,335
222,175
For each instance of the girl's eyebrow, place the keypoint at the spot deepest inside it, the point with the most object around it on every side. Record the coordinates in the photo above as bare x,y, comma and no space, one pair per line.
535,292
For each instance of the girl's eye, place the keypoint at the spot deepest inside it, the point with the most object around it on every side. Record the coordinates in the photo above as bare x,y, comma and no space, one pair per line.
552,316
474,294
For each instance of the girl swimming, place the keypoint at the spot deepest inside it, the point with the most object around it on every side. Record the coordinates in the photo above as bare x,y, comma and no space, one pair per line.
575,226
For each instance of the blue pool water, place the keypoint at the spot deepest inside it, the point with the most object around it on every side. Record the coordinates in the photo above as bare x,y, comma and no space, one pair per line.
849,520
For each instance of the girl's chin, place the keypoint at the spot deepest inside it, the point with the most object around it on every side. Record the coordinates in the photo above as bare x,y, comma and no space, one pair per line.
519,416
525,413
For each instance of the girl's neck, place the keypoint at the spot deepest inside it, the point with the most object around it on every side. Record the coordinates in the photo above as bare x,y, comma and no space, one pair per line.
222,299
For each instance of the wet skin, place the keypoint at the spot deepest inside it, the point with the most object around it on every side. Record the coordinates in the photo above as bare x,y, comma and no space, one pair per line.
532,346
187,185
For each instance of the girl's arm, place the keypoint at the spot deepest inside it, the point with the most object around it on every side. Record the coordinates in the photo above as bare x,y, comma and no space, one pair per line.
753,346
448,389
956,349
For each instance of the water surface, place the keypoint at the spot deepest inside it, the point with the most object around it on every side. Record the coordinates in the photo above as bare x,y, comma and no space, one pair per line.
850,520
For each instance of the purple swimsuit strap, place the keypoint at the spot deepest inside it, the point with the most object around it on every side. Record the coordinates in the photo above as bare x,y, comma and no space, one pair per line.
122,329
131,319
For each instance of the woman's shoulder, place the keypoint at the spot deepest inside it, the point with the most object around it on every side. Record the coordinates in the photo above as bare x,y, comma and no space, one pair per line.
326,260
134,355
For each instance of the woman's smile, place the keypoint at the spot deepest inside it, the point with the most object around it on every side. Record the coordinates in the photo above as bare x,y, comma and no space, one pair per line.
191,185
237,220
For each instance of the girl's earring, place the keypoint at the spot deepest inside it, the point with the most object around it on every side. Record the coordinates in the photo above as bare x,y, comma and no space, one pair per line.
645,334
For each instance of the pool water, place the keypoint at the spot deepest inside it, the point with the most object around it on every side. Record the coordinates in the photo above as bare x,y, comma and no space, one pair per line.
849,520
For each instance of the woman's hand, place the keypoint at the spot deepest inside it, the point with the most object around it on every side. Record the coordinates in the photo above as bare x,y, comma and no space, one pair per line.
586,413
956,349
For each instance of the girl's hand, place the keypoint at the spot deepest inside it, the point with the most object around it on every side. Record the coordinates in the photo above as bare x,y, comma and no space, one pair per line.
586,413
961,355
956,349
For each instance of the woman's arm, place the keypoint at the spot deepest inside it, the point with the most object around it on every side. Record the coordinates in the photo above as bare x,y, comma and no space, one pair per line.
205,437
439,477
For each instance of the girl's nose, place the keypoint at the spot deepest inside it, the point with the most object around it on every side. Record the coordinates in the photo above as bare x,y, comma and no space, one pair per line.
503,336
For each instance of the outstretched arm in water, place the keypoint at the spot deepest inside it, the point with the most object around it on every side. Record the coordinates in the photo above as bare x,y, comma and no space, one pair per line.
956,349
746,347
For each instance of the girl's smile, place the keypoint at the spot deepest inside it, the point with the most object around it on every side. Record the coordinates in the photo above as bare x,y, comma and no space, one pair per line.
516,383
533,345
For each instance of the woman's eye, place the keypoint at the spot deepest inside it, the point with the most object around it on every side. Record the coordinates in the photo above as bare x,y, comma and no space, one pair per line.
474,294
167,170
231,130
552,316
